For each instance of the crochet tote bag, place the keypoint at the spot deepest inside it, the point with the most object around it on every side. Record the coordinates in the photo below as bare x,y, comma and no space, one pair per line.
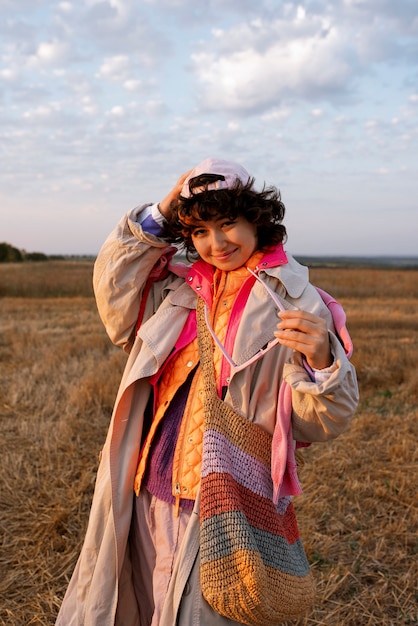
253,568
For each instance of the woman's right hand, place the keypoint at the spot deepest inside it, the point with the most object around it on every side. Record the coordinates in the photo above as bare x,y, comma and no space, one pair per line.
165,204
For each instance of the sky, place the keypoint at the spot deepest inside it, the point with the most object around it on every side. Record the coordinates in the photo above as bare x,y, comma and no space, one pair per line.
105,103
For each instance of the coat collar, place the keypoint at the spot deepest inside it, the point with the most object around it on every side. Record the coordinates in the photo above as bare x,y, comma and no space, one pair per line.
275,262
293,275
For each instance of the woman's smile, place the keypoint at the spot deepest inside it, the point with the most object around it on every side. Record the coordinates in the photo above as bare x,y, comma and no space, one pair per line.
222,256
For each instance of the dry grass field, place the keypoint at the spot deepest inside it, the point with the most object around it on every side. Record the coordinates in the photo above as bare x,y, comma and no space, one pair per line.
58,379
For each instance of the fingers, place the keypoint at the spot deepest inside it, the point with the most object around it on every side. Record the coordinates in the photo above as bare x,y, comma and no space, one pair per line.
306,333
307,325
164,205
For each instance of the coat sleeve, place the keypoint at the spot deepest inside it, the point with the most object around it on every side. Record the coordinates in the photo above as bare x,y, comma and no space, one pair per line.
127,259
322,410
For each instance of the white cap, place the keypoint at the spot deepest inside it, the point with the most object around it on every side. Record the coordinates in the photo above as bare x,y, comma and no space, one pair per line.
231,172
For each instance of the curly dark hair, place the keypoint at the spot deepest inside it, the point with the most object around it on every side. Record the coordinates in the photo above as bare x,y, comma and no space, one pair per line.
262,208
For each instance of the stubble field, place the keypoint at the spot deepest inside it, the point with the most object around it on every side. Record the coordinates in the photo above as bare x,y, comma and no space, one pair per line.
58,379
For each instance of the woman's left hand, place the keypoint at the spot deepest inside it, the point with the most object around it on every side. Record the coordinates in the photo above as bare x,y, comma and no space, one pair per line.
306,333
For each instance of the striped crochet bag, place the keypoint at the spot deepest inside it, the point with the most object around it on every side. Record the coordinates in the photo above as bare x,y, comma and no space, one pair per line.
253,568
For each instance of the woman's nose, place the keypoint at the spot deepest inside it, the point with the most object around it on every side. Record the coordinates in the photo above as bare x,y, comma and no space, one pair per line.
218,239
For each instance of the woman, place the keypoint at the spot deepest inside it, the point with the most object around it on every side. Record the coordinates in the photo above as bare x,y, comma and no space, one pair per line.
140,561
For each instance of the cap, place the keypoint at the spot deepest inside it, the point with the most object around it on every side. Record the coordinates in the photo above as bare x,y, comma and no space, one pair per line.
229,172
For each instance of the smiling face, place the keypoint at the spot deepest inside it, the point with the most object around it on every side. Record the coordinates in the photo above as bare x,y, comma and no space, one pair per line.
224,242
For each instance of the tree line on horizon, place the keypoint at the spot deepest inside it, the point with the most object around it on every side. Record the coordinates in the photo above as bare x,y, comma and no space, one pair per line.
11,254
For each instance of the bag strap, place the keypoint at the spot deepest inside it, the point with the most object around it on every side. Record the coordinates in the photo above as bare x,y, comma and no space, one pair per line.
144,297
205,344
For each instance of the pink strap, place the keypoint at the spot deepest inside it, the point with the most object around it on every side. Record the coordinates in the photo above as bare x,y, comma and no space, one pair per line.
283,462
339,317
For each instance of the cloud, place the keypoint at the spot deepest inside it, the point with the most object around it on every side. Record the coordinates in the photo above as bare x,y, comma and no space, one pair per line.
133,84
8,73
121,27
314,63
48,54
116,68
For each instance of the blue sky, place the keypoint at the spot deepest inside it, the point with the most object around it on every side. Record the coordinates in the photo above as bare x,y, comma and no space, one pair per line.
104,103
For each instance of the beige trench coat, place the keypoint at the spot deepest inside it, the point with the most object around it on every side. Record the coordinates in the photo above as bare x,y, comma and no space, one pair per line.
100,592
